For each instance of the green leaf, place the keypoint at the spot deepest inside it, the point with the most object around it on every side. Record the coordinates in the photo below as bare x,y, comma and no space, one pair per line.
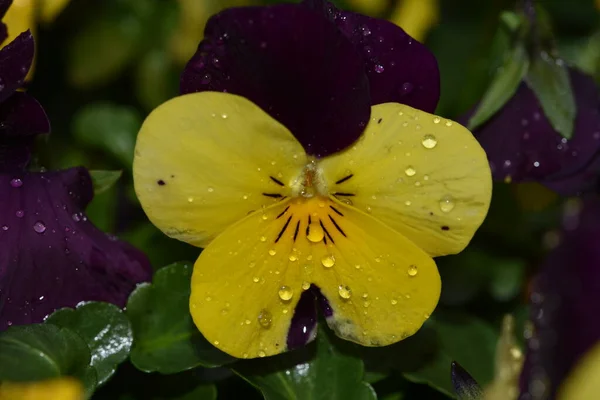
461,338
104,180
549,79
201,392
327,373
38,352
156,80
110,128
504,85
165,337
106,330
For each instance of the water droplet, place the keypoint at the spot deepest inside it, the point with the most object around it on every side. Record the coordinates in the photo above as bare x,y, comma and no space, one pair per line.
448,123
407,87
16,183
39,227
305,285
394,302
286,293
262,354
377,259
256,279
205,80
208,298
379,68
408,202
293,257
210,189
436,120
315,233
410,171
413,270
265,217
429,141
272,252
245,197
344,292
328,261
263,239
224,116
216,342
4,227
20,213
247,322
245,355
447,203
190,199
265,318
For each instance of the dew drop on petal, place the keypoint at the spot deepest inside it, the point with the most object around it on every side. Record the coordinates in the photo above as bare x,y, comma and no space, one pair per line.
394,302
265,318
293,257
262,354
436,120
447,203
16,182
379,68
263,239
305,285
210,189
286,293
413,270
20,213
410,171
328,261
256,279
344,292
39,227
429,141
315,233
4,227
272,252
408,202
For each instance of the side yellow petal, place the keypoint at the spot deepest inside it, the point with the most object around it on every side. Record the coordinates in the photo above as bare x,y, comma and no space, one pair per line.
205,160
49,9
20,17
247,282
416,17
424,176
582,383
56,389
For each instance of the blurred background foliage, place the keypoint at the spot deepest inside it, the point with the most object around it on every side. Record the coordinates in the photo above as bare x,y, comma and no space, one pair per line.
102,65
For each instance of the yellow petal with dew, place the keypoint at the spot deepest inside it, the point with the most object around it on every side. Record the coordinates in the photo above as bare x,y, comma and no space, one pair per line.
20,17
49,9
56,389
247,282
582,383
205,160
424,176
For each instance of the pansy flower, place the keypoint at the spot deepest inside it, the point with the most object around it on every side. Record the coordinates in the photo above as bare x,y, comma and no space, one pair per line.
51,256
306,164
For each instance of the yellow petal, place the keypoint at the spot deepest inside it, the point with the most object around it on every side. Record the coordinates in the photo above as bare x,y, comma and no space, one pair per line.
56,389
416,17
582,383
247,282
49,9
205,160
424,176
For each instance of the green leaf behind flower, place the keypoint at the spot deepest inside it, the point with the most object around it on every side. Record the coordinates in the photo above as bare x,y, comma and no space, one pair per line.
549,79
104,180
325,372
165,337
106,330
40,351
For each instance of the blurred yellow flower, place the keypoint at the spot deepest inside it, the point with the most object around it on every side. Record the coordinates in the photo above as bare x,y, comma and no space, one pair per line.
416,17
583,382
56,389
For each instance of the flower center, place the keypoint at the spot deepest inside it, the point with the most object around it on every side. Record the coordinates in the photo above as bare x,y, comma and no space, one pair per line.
310,182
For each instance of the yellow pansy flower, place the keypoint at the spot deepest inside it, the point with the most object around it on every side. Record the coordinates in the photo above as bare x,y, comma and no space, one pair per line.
334,197
55,389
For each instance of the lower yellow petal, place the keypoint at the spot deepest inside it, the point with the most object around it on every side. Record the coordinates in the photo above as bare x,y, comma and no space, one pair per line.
56,389
247,282
583,383
424,176
205,160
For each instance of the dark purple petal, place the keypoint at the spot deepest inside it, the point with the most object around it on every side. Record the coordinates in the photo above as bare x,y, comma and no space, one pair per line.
465,386
21,118
15,61
293,63
302,329
565,304
521,143
51,256
399,68
585,181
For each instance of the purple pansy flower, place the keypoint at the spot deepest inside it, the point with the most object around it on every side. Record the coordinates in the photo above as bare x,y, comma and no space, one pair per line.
314,68
51,256
523,146
565,303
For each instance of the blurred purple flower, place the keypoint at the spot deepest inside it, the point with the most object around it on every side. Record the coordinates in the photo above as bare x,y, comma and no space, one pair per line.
565,304
51,256
522,145
314,68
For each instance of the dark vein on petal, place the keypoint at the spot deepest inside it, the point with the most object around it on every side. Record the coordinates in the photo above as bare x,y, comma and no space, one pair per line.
283,212
274,195
277,181
338,212
296,231
344,179
343,194
336,225
326,232
283,229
